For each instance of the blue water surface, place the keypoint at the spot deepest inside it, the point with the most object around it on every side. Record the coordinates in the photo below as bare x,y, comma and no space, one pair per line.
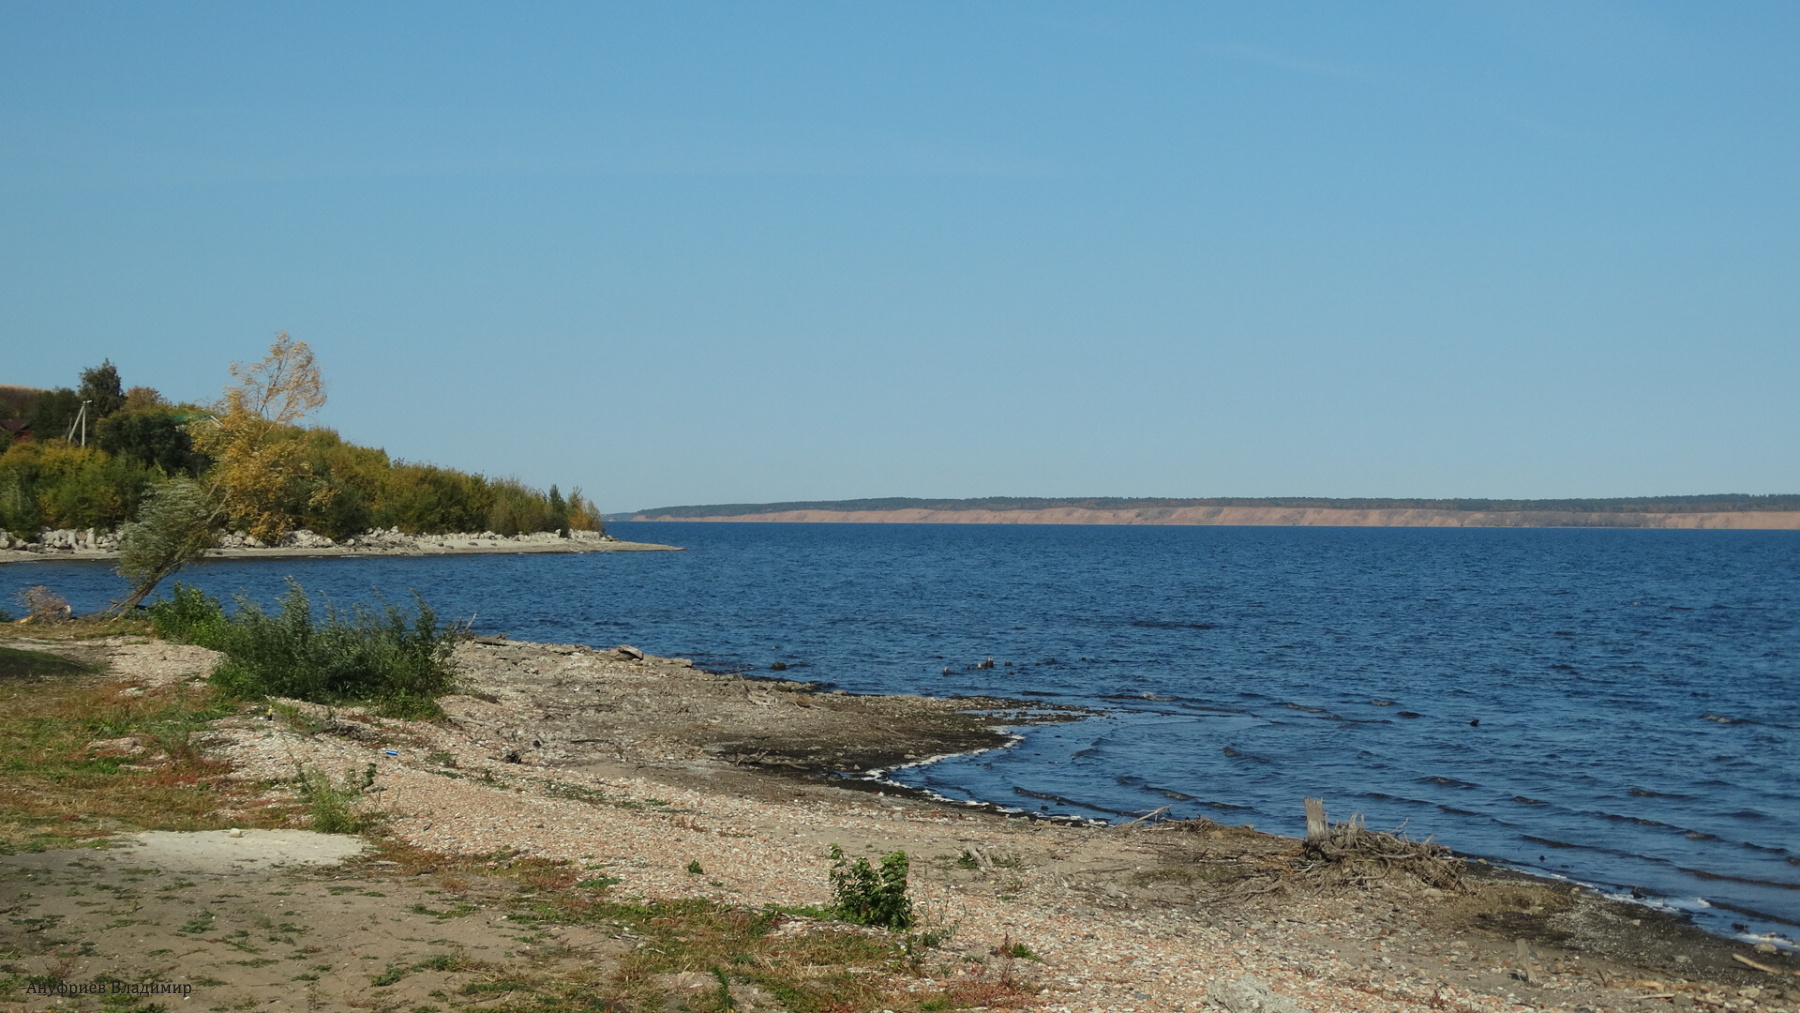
1621,707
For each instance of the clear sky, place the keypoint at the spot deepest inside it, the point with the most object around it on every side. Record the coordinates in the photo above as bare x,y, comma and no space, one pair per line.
697,253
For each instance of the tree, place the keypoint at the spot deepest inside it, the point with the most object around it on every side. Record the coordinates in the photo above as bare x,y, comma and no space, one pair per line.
283,388
53,413
262,475
143,397
101,389
154,436
175,526
558,514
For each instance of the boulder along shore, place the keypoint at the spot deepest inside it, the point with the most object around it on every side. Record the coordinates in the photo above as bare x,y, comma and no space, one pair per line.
92,544
647,770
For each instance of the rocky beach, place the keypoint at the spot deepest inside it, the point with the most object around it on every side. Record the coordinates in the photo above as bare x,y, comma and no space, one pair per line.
91,544
671,784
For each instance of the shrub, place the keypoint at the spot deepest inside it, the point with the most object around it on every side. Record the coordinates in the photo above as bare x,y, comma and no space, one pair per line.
189,616
397,661
866,896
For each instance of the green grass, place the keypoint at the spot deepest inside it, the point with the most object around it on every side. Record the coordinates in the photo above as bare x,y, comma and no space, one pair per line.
56,792
826,967
329,805
21,664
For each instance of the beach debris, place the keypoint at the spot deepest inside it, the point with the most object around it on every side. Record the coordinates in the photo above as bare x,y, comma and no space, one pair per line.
43,605
1249,994
1350,854
1760,966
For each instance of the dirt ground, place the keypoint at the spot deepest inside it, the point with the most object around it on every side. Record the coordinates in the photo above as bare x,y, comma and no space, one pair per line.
638,771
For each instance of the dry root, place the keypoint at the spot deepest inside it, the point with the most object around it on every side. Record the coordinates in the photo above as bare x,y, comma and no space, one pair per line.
1350,854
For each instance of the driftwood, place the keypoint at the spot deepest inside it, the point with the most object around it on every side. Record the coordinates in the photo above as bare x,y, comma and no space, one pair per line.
1350,854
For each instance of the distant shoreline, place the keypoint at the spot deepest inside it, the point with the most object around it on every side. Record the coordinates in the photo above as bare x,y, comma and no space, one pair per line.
1273,516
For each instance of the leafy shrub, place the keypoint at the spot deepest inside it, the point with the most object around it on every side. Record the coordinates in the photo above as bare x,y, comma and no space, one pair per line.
387,657
189,616
867,896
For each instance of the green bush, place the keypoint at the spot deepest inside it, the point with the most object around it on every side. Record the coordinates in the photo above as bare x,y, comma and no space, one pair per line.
866,896
189,616
386,657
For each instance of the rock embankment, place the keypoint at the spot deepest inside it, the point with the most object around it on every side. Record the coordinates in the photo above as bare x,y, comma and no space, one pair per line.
92,543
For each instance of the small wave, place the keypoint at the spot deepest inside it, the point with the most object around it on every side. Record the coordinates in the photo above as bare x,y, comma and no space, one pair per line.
1385,797
1639,820
1748,814
1378,702
1179,796
1163,624
1774,883
1726,719
1647,793
1044,796
1753,913
1448,782
1303,707
1411,714
1526,800
1549,843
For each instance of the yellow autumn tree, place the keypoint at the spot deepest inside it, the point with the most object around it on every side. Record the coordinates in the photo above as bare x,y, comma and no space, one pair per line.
261,472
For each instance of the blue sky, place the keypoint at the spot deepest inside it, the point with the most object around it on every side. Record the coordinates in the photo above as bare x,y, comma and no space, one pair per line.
690,253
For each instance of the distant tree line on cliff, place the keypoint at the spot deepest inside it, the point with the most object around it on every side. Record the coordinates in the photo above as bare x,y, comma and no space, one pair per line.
260,468
1721,503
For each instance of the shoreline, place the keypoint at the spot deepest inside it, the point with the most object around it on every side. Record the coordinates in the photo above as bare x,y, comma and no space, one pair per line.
416,545
1744,520
649,768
